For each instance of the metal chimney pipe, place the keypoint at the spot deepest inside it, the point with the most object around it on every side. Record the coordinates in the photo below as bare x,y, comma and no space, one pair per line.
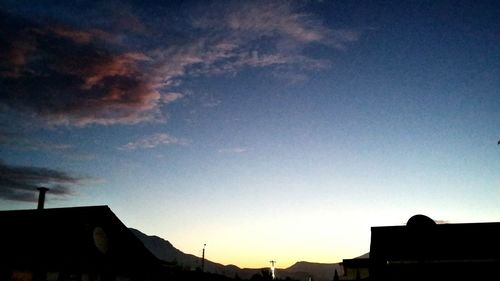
203,259
41,197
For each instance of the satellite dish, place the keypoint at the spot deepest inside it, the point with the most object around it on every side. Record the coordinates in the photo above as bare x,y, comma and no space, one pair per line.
101,240
420,221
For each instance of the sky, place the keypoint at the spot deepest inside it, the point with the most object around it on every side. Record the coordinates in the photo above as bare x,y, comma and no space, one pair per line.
269,130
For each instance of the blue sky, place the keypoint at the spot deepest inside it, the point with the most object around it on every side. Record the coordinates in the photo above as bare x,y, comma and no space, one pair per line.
267,129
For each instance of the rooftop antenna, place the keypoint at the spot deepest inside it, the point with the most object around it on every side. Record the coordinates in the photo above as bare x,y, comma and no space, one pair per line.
272,269
203,259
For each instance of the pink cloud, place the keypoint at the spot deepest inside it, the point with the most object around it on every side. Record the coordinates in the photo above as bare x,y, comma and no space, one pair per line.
78,36
120,65
114,89
76,81
82,36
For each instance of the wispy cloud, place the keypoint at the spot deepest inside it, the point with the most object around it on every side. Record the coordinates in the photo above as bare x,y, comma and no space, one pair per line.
275,18
22,143
153,141
266,34
233,150
171,97
19,183
282,23
82,36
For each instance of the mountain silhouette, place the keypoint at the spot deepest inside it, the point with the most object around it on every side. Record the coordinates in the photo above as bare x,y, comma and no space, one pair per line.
164,250
302,270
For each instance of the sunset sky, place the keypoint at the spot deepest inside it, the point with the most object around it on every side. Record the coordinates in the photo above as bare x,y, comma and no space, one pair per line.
275,130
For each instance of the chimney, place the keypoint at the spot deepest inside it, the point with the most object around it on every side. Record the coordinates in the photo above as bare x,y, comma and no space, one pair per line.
41,197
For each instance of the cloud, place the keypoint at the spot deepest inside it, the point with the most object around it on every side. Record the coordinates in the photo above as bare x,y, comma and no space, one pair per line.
17,141
171,97
275,18
267,34
19,183
82,36
79,76
65,77
233,150
153,141
278,22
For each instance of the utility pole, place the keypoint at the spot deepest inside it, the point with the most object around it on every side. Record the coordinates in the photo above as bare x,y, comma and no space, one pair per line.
203,259
272,269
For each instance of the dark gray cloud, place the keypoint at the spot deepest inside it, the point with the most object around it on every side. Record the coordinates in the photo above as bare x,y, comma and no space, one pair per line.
70,76
19,183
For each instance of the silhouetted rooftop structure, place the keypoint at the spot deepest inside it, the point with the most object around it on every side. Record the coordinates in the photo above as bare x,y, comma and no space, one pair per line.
356,269
424,250
82,243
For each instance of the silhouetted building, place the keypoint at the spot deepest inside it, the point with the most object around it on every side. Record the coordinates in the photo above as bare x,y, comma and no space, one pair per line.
83,243
356,269
424,250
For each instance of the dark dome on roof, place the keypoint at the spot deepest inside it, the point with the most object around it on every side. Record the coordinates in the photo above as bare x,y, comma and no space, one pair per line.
420,221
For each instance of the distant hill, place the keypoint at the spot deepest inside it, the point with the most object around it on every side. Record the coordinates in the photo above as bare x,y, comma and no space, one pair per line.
164,250
318,271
